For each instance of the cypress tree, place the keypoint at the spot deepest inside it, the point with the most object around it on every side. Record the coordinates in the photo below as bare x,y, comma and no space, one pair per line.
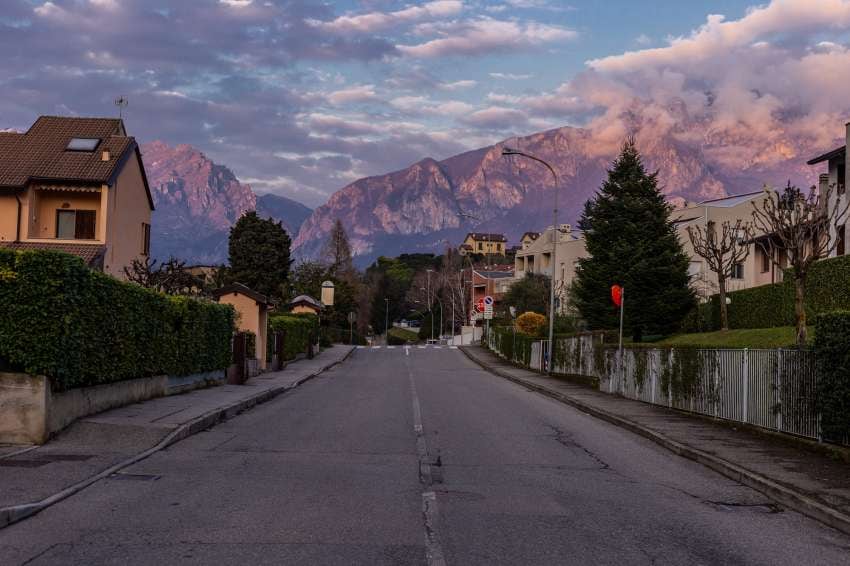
259,255
632,242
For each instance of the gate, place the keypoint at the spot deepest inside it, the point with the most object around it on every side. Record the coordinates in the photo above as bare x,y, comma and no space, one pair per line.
238,371
278,343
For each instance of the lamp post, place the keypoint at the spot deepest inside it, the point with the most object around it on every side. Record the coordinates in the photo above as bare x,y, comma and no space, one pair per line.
428,292
387,322
506,151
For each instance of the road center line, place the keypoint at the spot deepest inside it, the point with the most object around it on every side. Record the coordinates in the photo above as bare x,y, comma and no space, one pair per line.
433,548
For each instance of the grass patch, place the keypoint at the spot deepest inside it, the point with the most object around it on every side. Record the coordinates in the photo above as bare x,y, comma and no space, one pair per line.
403,334
779,337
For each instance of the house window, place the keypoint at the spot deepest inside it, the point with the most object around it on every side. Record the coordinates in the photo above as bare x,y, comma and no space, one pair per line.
75,224
839,248
840,179
146,238
765,260
738,271
480,246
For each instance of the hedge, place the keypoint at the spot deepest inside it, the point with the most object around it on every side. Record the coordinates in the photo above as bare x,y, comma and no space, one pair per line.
832,350
80,327
769,306
298,328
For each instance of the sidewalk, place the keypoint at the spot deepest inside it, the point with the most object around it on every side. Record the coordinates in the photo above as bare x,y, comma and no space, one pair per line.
99,445
804,478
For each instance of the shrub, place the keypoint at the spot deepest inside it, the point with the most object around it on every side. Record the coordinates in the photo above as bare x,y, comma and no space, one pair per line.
298,328
832,349
80,327
769,306
530,323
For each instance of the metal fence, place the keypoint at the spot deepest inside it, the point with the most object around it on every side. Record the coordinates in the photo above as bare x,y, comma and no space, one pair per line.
772,389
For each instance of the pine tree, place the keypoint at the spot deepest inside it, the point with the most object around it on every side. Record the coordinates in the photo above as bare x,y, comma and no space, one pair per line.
259,255
632,242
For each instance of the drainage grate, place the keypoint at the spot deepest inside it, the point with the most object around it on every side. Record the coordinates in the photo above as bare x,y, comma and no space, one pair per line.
63,457
23,463
134,477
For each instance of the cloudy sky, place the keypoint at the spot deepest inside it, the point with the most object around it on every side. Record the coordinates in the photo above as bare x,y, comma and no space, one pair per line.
302,97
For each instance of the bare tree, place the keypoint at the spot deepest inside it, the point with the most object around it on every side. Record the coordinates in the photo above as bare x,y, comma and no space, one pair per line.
170,277
801,228
337,253
722,252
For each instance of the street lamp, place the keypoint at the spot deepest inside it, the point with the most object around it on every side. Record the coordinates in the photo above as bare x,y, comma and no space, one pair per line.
506,151
429,304
387,322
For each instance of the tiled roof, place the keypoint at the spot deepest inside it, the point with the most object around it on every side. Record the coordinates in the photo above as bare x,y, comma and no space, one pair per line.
91,254
306,300
532,235
488,237
40,153
243,290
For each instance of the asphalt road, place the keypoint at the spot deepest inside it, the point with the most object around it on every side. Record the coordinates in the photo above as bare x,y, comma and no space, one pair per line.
340,470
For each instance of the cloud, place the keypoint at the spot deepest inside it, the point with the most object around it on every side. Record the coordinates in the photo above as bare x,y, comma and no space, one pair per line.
496,118
511,76
361,93
483,36
379,21
458,85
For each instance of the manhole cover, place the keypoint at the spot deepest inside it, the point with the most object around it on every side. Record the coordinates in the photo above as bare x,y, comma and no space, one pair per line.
23,463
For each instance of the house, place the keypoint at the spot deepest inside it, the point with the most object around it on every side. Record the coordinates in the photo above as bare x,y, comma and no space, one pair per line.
76,185
536,257
836,177
756,269
482,243
252,314
494,283
527,239
305,304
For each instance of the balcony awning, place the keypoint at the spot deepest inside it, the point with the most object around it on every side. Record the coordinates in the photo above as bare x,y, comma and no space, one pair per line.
71,188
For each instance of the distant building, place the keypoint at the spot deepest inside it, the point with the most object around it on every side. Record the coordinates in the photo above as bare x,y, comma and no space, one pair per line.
527,239
76,185
305,304
836,177
481,243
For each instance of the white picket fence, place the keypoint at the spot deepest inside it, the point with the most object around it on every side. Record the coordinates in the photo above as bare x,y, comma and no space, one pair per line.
772,389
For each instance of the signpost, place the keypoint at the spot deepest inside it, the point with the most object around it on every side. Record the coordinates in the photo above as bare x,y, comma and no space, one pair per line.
618,295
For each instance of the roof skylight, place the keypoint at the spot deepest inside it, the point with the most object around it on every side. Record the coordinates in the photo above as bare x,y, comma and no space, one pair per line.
82,144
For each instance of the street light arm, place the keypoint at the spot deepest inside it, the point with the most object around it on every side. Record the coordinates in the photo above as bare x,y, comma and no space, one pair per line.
508,151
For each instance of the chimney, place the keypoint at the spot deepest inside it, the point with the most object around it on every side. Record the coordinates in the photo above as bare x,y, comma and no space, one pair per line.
105,155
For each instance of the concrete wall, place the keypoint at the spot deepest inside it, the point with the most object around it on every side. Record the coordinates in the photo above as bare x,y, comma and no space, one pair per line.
23,407
30,413
250,317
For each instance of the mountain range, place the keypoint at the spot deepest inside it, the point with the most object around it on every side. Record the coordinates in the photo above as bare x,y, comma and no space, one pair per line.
197,201
432,204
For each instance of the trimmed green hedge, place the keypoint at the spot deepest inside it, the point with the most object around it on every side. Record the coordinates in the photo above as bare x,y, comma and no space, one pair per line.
81,327
832,348
298,328
769,306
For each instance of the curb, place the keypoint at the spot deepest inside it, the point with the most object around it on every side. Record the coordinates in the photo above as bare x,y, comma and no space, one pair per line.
15,513
782,494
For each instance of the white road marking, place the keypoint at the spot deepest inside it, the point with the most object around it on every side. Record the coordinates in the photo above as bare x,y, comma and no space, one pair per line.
433,549
422,347
438,347
452,347
390,347
376,347
407,350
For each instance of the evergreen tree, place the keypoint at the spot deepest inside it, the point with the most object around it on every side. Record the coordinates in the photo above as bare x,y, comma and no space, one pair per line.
259,255
531,293
337,253
632,242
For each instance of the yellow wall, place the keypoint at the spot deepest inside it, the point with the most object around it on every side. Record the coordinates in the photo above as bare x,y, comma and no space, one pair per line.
250,317
128,208
303,309
487,247
8,216
44,204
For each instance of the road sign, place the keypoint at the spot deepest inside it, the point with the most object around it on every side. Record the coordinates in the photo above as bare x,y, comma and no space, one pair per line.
488,300
488,312
352,317
479,305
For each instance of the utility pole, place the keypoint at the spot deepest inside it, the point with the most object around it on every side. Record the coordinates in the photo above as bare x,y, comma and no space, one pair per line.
387,321
555,237
429,304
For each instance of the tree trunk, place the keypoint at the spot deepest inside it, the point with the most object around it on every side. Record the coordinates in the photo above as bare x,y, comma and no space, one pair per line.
724,313
800,310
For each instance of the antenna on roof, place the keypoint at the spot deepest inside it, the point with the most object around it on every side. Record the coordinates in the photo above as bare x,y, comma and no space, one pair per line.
121,102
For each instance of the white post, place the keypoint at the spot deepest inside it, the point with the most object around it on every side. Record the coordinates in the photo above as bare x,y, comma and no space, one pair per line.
746,395
622,364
